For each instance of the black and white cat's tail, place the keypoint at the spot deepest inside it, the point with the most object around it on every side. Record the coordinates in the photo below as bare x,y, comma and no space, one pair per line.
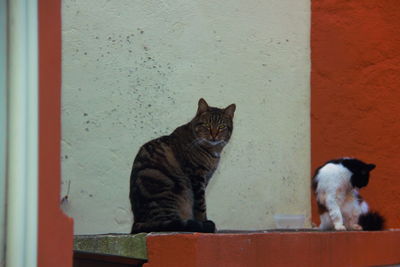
371,221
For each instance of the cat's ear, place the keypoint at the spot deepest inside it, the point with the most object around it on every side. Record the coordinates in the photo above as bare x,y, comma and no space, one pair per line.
370,167
230,110
203,106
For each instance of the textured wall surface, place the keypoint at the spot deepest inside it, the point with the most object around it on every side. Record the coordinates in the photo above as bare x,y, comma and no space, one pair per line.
355,92
134,70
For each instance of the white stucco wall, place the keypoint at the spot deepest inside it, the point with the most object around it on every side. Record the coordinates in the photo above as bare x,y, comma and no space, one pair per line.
134,70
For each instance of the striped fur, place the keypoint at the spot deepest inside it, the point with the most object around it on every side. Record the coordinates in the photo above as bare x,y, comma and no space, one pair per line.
170,174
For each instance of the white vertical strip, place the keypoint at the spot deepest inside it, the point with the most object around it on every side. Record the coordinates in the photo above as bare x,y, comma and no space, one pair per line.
23,142
17,82
32,137
3,123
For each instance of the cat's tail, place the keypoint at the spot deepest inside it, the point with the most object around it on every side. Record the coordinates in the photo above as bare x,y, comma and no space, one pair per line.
371,221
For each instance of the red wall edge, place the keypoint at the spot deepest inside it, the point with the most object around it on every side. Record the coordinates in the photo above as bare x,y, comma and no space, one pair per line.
274,249
55,236
355,92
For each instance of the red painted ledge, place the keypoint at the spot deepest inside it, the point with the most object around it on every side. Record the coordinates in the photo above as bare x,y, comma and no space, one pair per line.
274,249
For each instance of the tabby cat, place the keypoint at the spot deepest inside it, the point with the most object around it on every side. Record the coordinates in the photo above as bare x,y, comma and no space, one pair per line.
341,207
170,174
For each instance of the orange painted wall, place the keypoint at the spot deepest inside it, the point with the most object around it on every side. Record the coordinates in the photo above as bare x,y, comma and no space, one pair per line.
274,249
355,83
55,229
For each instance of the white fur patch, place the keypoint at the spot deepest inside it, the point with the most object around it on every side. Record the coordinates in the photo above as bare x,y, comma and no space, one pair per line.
333,179
364,207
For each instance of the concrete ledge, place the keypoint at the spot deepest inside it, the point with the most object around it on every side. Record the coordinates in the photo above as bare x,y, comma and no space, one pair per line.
121,245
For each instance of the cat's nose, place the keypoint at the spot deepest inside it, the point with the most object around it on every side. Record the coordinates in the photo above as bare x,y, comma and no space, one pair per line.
214,134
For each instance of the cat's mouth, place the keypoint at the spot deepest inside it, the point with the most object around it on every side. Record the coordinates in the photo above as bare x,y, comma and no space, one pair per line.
216,142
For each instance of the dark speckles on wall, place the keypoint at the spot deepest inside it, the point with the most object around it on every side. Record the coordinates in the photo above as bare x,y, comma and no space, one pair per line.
145,72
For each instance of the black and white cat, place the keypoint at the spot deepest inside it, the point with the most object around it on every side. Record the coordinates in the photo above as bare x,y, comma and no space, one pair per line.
336,185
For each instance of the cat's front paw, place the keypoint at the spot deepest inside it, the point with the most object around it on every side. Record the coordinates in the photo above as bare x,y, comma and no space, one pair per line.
194,226
209,227
356,227
340,227
200,226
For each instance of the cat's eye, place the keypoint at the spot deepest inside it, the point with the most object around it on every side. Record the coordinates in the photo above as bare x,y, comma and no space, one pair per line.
221,127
